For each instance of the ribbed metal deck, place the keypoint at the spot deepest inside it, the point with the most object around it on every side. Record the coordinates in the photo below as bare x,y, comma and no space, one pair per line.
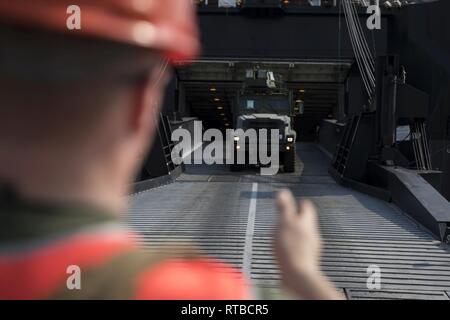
232,216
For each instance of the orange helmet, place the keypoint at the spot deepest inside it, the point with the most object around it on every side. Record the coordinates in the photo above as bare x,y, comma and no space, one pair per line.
166,25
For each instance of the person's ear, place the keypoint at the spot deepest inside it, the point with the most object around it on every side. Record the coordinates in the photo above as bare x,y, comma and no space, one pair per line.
144,107
148,96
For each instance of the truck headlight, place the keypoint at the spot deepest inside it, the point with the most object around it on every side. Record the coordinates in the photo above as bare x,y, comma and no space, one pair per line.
290,139
236,139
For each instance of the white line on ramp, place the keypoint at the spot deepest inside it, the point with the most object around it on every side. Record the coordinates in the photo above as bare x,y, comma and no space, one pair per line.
248,248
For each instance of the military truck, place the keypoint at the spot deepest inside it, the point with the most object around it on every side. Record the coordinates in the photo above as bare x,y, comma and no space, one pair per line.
264,102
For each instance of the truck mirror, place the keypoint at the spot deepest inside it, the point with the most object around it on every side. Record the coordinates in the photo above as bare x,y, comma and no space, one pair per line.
299,107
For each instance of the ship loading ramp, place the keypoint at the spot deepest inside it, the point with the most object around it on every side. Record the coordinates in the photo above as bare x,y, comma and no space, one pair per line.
231,217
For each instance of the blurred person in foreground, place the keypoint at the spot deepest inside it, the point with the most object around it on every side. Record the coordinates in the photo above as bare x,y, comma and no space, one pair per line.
78,112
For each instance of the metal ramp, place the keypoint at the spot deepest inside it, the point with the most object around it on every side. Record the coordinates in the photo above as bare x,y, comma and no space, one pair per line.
231,217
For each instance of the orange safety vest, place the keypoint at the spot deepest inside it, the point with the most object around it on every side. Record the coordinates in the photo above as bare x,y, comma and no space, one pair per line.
39,244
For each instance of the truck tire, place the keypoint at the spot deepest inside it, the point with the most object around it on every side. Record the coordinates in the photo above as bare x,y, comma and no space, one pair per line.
289,161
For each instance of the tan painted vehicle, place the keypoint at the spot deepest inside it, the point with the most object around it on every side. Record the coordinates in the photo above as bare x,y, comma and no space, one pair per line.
265,103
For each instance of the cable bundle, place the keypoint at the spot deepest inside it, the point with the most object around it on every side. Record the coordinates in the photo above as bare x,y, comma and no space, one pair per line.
364,57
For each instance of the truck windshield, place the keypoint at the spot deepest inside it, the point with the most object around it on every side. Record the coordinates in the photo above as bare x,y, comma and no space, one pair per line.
264,104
